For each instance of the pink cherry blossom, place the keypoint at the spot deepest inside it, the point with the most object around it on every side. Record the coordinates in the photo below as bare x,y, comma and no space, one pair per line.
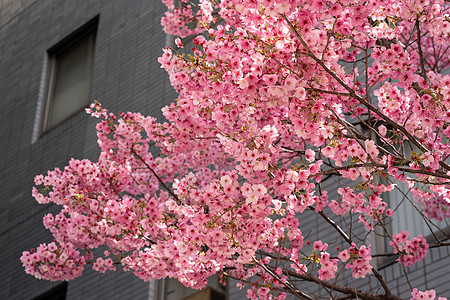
285,109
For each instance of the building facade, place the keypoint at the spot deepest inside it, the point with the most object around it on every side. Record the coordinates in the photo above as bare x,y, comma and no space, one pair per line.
115,44
104,50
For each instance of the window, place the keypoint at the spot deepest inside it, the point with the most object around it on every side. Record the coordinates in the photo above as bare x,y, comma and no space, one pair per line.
172,289
70,65
57,293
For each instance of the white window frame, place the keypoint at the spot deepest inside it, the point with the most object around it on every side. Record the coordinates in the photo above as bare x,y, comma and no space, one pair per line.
86,33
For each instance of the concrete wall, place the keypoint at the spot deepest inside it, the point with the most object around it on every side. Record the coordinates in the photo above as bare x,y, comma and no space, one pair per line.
126,77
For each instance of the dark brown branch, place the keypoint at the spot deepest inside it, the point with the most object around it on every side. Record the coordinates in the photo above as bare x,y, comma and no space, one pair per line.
289,286
435,245
226,274
342,289
328,92
419,48
336,226
156,175
349,241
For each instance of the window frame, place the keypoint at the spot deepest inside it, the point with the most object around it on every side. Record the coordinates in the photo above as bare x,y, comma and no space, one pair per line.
57,292
86,33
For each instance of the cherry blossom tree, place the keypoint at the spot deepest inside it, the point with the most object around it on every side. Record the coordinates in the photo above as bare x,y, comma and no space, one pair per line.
277,98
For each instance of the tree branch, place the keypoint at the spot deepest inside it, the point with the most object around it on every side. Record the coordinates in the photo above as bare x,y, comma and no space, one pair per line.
156,175
342,289
357,97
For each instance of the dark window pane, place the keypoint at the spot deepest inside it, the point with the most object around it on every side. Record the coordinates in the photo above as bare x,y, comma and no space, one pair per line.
57,293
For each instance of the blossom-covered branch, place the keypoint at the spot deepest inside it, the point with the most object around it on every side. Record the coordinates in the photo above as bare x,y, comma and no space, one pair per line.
286,109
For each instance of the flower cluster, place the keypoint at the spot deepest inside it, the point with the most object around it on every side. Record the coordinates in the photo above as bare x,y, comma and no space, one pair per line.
429,294
435,206
54,262
275,106
410,251
102,265
358,260
328,266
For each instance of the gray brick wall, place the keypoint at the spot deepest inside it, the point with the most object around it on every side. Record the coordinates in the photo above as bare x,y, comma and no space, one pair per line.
127,76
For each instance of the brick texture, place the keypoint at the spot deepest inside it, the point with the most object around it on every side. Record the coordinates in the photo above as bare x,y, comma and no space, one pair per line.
127,77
